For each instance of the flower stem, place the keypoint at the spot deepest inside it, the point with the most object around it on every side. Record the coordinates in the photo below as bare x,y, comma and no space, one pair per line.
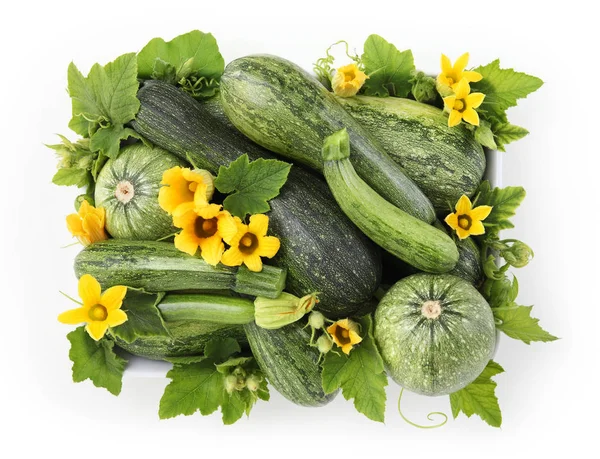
71,298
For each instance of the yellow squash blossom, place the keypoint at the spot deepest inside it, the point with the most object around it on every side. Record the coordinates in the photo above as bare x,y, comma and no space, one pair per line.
87,225
203,228
348,80
99,310
249,243
184,189
466,221
345,334
451,75
462,105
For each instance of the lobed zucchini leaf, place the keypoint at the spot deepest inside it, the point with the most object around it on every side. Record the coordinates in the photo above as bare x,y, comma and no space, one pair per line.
96,360
143,316
479,397
191,61
360,375
390,71
104,102
504,201
516,322
504,133
199,384
251,184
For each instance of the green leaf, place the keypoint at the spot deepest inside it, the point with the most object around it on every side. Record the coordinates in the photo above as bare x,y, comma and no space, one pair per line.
143,317
186,359
252,184
503,87
96,360
104,101
518,324
390,71
360,375
197,51
220,349
193,387
479,397
500,292
234,407
506,133
485,136
504,201
72,176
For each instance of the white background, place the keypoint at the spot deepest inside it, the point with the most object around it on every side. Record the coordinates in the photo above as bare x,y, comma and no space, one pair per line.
549,393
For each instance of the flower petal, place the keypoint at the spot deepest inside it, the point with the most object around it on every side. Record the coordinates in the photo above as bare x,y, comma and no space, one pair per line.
454,118
74,316
463,206
462,233
355,338
452,221
84,208
181,210
186,242
96,329
212,249
89,290
461,63
259,224
346,348
74,225
480,212
471,116
268,246
445,64
93,228
200,199
227,225
475,99
209,211
253,262
477,228
449,102
113,297
116,317
462,89
232,257
472,77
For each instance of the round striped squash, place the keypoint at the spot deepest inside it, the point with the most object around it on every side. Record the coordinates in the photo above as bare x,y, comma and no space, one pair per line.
127,187
436,333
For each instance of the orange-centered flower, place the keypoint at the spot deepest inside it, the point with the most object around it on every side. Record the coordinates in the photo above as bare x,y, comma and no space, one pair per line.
345,334
87,225
348,80
462,105
99,310
183,189
452,74
249,243
466,221
204,228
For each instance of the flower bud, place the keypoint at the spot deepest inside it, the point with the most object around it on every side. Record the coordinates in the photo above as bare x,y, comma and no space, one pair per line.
253,382
324,343
275,313
424,88
231,382
316,320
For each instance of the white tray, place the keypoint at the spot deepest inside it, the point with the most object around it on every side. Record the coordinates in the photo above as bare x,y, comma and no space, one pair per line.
139,367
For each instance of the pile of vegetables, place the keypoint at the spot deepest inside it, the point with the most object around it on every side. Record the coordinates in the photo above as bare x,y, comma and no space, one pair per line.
258,227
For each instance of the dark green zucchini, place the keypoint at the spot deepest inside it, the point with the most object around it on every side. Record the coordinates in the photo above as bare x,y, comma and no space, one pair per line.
469,258
289,362
285,109
322,250
445,162
160,267
188,337
408,238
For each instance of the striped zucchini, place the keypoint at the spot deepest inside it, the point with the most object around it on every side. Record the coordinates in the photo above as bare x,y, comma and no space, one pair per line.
289,362
436,333
444,162
285,109
220,309
408,238
321,249
160,267
188,337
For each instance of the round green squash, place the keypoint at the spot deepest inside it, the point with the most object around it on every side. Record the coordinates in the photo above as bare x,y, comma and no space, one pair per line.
127,187
436,333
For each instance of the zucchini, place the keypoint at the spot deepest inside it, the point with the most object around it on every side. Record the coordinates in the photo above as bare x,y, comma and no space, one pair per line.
285,109
321,249
160,267
404,236
444,162
289,363
210,308
188,337
436,333
469,258
127,187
